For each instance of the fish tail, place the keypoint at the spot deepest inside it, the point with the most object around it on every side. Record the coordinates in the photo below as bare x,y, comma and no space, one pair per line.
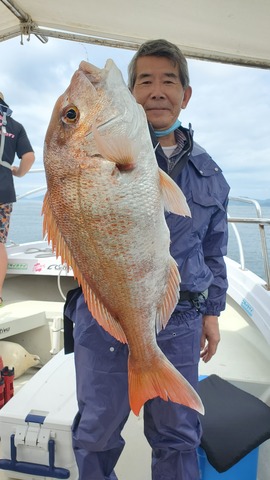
164,381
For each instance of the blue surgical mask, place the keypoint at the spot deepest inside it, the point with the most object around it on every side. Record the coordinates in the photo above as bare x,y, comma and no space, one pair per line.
162,133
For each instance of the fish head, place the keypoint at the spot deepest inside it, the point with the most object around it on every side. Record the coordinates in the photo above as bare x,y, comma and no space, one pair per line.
68,137
97,100
116,103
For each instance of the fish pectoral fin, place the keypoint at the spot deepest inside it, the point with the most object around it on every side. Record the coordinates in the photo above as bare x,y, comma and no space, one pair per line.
119,149
173,197
170,298
161,380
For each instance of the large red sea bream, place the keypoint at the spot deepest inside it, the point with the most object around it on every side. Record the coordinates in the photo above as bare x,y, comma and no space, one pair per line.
104,214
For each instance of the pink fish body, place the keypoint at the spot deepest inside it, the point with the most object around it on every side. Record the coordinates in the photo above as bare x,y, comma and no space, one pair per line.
104,213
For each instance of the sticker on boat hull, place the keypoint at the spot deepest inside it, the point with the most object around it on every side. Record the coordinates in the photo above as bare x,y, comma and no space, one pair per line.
17,266
247,307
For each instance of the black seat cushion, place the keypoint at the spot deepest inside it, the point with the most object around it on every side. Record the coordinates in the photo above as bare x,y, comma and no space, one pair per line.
235,422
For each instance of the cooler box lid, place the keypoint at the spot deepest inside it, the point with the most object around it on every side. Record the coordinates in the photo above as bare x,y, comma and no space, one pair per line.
49,395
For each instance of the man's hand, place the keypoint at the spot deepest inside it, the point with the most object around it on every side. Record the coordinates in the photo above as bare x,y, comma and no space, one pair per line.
210,337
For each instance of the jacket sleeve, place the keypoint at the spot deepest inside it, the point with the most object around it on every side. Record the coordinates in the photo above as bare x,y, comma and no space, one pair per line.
215,248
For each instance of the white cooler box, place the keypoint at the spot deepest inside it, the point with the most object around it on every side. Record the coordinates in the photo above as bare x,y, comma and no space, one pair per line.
35,425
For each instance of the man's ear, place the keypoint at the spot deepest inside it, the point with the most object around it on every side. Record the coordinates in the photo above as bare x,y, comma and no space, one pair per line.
186,97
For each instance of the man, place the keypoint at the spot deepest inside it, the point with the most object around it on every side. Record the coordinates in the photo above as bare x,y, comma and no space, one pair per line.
13,140
159,80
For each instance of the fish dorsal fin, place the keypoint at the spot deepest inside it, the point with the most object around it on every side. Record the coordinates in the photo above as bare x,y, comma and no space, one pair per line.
117,149
173,197
170,298
95,305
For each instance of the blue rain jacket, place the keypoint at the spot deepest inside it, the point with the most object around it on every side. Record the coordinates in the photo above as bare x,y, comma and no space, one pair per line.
199,243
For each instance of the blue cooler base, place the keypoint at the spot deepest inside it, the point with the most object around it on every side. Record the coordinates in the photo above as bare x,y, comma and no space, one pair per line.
245,469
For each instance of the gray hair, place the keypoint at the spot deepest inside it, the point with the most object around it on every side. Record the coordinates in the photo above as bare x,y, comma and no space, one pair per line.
160,48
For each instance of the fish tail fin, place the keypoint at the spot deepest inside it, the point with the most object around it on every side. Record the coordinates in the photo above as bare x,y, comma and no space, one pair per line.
161,380
173,197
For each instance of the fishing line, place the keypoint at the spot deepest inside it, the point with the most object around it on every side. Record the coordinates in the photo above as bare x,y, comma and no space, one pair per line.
86,52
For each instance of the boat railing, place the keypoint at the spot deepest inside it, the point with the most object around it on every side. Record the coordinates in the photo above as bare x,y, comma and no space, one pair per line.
261,222
258,220
34,190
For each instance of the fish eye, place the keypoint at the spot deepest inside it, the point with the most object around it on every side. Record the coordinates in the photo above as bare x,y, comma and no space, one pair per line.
70,114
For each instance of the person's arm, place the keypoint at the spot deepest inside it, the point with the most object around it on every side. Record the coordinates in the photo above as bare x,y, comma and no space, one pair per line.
26,163
215,247
210,337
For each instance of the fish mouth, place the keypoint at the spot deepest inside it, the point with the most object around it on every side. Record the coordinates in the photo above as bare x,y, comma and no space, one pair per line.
101,78
93,73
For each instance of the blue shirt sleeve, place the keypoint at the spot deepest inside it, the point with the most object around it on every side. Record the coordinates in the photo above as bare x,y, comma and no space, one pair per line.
215,248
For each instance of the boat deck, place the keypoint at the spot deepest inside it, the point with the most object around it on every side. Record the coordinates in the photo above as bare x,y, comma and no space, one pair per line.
241,342
234,360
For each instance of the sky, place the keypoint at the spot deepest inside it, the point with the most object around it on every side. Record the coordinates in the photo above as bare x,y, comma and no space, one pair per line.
229,109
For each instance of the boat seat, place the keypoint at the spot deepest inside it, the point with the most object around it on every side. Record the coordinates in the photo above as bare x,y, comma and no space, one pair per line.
235,422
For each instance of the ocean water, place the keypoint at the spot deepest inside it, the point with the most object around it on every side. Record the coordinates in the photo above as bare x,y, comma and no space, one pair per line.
250,238
26,221
26,226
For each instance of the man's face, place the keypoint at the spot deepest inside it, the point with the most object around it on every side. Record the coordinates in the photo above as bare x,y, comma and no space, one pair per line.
159,90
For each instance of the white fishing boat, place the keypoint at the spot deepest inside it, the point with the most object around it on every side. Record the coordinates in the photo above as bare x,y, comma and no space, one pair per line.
35,291
35,436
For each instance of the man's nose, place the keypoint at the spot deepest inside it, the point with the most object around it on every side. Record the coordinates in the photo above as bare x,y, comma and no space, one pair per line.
157,91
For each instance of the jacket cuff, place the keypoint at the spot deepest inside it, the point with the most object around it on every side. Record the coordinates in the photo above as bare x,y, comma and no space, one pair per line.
212,308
